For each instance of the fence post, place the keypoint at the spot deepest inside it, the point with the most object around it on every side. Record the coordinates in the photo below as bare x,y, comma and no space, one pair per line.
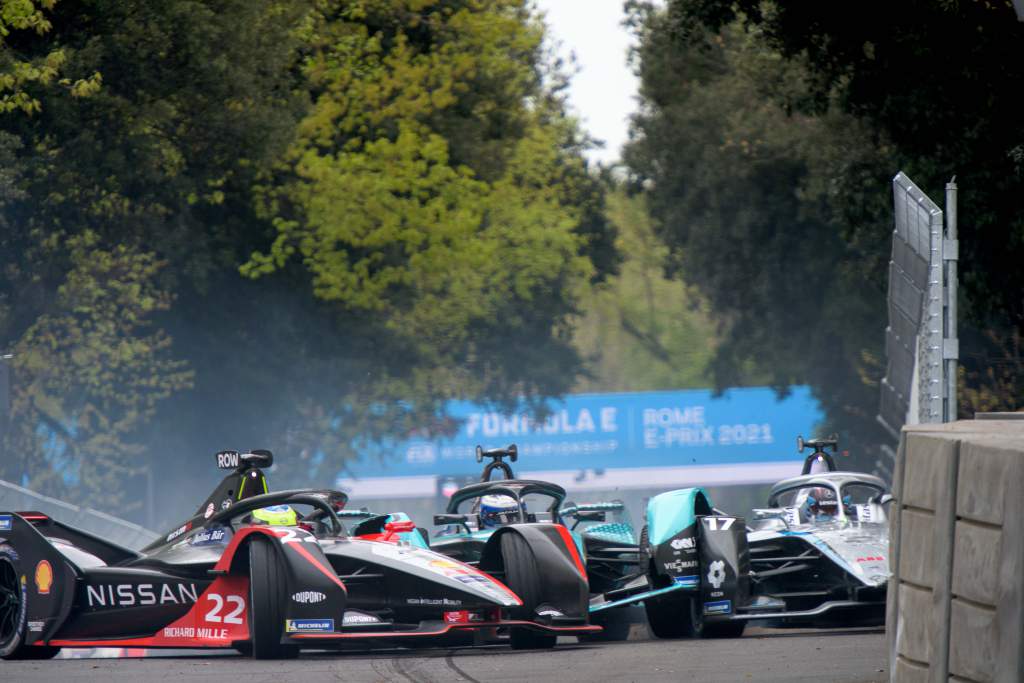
951,343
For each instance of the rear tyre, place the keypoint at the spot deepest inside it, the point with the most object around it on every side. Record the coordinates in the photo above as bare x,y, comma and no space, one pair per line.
12,617
30,652
266,603
523,578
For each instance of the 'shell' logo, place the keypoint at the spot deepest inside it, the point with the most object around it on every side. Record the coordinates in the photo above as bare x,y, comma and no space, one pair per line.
44,577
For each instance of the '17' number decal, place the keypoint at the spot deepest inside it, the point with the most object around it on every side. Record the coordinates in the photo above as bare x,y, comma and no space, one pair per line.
237,602
720,523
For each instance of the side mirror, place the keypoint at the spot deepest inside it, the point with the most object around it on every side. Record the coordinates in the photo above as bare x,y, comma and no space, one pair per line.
800,444
590,515
391,529
442,520
765,514
400,527
884,499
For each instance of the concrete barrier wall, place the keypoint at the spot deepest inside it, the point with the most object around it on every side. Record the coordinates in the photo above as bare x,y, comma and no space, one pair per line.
956,597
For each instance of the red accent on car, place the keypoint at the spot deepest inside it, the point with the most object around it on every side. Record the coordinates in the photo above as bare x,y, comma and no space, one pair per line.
224,563
219,617
573,552
445,628
33,516
297,546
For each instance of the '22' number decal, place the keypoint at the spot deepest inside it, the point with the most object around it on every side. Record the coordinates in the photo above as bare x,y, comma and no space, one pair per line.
720,523
291,536
232,617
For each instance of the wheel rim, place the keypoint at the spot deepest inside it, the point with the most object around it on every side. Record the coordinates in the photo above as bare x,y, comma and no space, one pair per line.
10,602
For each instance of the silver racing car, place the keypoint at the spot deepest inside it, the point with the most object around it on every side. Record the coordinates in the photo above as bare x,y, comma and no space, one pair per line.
820,552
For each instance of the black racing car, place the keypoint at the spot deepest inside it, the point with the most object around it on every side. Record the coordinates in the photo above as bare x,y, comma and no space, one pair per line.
270,573
617,563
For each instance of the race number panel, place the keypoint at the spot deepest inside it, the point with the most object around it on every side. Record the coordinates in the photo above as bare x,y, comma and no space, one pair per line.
724,564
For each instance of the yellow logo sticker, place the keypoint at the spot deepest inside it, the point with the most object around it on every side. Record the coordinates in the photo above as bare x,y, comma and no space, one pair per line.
44,577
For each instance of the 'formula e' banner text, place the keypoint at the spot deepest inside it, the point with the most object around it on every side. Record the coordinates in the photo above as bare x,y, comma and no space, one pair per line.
606,431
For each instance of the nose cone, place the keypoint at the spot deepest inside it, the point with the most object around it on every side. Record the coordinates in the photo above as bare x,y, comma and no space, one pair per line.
470,579
449,572
872,569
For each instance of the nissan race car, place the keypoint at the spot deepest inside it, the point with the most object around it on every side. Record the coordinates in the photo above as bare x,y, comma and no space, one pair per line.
271,573
818,556
601,533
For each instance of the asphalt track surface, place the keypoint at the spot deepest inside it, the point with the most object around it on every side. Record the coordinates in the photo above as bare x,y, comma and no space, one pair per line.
837,656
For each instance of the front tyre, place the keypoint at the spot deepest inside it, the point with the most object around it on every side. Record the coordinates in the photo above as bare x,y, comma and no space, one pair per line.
13,612
523,578
668,615
615,623
266,602
704,629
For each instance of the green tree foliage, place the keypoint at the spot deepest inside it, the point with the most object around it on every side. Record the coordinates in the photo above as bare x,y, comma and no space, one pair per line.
151,170
641,330
90,371
295,224
436,182
940,80
20,75
776,216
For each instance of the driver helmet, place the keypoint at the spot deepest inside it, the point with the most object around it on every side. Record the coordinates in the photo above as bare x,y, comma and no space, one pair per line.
275,515
496,510
821,503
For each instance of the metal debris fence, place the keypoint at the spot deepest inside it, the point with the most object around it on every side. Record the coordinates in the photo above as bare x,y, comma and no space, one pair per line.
920,341
14,498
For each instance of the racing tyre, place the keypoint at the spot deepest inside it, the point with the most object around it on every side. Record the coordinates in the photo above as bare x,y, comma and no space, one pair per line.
12,617
523,578
615,623
266,602
703,629
668,616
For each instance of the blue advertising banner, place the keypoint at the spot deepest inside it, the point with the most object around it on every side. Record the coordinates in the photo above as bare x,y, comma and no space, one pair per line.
597,432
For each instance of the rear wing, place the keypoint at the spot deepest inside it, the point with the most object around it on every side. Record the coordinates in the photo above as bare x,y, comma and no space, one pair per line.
44,525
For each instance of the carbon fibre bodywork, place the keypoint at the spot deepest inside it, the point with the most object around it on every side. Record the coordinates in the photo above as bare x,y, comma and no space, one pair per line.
608,550
834,570
193,588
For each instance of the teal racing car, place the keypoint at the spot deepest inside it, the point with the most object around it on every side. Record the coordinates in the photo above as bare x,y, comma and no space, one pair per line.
687,548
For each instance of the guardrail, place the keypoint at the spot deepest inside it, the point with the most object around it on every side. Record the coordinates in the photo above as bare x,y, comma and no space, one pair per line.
956,598
17,498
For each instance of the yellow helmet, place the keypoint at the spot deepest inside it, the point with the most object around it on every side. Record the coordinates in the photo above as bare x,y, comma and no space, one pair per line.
276,515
